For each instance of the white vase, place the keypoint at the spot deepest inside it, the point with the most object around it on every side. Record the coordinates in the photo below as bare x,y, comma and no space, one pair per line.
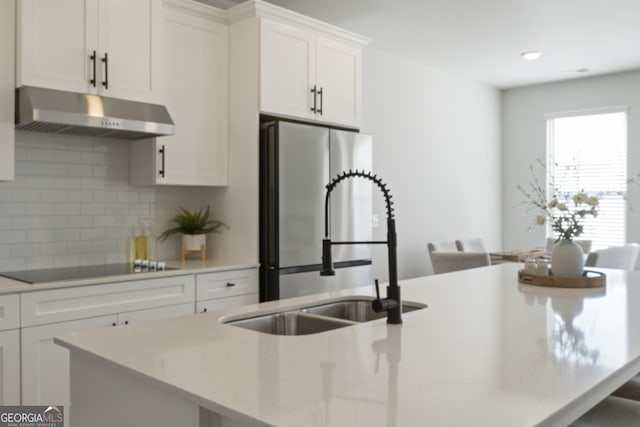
567,259
193,242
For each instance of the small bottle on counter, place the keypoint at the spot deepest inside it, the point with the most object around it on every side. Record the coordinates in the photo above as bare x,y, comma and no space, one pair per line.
530,266
141,244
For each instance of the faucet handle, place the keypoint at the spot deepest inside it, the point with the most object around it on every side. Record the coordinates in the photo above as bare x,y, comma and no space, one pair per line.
377,289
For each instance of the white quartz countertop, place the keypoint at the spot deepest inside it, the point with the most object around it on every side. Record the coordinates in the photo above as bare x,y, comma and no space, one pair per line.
487,351
179,268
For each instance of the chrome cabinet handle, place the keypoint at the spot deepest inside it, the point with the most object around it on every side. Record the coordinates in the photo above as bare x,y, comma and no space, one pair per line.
321,93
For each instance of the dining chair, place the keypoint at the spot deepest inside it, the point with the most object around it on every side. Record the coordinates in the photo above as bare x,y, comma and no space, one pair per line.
612,411
585,244
470,245
443,246
446,262
623,257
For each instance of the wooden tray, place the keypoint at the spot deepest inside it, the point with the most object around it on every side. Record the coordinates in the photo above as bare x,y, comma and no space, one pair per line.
590,279
518,256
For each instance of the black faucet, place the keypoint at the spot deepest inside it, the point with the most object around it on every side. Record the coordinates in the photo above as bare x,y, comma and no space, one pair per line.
392,304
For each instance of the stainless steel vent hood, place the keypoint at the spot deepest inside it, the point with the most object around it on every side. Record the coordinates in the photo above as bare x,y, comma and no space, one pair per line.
56,111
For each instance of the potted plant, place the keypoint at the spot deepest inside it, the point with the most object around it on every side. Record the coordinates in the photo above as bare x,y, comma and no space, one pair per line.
194,226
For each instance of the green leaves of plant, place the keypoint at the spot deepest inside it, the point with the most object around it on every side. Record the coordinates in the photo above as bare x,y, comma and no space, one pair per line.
196,222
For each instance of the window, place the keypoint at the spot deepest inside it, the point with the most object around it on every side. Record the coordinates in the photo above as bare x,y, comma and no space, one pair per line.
588,151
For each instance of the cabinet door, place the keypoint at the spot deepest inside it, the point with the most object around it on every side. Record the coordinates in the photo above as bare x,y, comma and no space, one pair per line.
287,70
196,93
129,34
338,75
45,365
10,367
55,41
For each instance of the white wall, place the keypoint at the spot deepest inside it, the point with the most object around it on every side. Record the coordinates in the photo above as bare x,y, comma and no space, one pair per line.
437,145
524,141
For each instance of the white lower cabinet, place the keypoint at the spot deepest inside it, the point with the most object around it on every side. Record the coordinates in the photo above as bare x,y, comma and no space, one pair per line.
46,314
45,365
226,289
10,367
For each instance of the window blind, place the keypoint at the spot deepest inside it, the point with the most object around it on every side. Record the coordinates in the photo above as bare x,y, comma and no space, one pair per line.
588,152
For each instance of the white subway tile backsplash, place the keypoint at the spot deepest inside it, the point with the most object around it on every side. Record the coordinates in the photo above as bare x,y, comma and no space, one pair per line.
55,196
13,209
25,249
25,195
66,182
53,248
28,168
93,234
92,209
92,183
105,196
12,264
71,204
67,209
104,221
80,170
25,222
12,236
40,208
80,221
35,182
54,222
5,222
39,262
79,248
80,195
66,260
93,158
53,169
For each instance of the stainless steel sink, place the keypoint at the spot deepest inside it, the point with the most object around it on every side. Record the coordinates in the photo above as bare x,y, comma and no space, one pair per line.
320,317
291,323
357,309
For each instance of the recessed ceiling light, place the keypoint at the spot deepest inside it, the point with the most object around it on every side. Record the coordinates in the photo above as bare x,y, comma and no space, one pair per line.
531,55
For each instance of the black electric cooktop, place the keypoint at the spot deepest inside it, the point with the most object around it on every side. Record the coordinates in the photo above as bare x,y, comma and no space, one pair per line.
74,273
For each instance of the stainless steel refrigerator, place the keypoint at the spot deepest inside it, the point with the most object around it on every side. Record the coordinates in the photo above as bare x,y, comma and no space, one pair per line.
296,162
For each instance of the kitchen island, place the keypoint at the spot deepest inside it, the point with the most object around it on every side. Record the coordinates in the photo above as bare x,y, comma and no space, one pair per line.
487,351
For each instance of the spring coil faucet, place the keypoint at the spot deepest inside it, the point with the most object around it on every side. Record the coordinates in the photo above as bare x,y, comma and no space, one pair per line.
392,304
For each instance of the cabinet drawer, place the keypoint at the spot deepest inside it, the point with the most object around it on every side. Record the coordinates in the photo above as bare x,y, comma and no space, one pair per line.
226,284
217,304
60,305
9,312
155,314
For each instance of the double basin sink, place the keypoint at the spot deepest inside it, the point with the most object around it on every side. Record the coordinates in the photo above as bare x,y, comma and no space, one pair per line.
319,317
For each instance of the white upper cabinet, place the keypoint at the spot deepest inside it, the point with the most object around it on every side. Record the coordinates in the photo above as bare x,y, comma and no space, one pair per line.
310,74
194,78
288,71
106,47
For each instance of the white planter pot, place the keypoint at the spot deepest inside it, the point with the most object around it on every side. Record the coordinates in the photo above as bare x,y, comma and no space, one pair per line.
567,259
193,242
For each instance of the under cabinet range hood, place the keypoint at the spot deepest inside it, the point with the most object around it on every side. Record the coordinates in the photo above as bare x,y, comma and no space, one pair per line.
56,111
